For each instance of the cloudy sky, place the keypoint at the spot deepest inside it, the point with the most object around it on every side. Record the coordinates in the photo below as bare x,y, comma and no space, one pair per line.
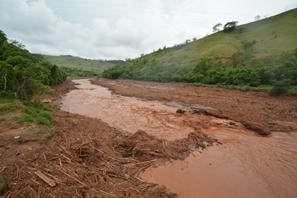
119,29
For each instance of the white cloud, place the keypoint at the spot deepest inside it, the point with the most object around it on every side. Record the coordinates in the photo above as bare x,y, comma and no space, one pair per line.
112,29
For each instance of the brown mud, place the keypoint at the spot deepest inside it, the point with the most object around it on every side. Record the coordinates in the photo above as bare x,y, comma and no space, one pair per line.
88,158
177,140
245,165
255,109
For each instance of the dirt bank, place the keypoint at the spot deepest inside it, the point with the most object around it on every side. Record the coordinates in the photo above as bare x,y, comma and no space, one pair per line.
88,158
256,110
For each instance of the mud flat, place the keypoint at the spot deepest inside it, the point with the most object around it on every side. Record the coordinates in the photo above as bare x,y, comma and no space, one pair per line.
126,113
274,114
245,165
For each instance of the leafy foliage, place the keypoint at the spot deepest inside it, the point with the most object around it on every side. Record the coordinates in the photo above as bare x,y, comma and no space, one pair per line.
78,72
242,70
230,26
23,74
280,88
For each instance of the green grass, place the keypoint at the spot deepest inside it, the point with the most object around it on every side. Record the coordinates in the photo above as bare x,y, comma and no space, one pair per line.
25,118
9,104
292,91
33,112
15,113
76,66
37,112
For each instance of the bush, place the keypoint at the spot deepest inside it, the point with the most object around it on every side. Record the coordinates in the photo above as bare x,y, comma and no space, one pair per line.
240,70
280,88
43,121
114,73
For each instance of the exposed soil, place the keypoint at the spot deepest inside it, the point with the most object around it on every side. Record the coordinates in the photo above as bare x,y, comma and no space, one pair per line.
242,156
88,158
99,154
256,110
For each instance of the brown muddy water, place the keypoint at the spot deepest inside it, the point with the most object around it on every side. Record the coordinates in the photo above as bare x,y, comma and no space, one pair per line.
245,165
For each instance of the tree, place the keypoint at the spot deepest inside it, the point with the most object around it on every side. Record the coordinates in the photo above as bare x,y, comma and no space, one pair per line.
3,40
6,77
18,44
257,17
2,37
230,26
216,28
22,73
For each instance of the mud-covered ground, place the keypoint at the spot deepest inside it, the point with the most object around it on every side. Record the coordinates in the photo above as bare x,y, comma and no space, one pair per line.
87,158
257,109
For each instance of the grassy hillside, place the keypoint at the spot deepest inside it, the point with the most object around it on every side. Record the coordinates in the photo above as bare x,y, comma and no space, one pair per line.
271,37
255,54
80,66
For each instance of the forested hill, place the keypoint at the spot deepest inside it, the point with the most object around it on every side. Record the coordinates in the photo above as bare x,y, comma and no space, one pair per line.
76,66
23,74
259,53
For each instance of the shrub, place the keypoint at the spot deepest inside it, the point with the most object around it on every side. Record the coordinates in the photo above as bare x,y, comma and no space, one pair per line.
43,121
114,73
280,88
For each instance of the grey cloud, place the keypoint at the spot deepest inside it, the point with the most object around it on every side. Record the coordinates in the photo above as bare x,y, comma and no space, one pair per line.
112,29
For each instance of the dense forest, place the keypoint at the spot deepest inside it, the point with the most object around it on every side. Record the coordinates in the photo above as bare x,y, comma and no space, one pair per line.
23,74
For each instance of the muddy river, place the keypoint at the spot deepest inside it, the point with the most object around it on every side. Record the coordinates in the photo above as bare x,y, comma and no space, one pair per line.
244,165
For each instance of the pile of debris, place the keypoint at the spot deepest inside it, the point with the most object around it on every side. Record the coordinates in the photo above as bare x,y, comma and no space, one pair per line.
88,158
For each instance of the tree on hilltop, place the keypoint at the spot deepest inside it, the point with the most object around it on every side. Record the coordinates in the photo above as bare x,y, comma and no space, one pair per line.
230,26
216,28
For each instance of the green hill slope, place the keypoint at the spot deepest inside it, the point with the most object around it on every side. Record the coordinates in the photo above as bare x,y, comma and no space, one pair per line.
254,54
272,37
76,66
